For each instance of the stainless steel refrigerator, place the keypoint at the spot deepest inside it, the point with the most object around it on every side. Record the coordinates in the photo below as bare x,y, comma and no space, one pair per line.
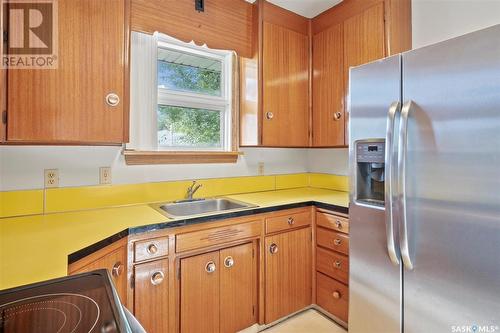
425,189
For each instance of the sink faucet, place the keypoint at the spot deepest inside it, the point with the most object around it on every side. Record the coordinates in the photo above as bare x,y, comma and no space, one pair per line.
192,190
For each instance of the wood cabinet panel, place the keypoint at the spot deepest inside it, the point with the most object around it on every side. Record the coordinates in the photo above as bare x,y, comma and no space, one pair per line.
209,237
151,295
333,222
285,87
225,24
150,249
333,264
238,288
332,296
68,104
364,37
333,240
328,87
200,294
287,273
115,262
292,220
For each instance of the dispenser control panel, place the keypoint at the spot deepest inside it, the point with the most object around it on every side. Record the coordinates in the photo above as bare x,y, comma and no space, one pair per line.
370,152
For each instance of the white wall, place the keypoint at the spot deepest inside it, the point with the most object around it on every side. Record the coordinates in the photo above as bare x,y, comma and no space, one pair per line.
437,20
22,167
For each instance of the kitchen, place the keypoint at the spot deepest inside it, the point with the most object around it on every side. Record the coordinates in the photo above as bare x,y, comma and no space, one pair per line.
231,165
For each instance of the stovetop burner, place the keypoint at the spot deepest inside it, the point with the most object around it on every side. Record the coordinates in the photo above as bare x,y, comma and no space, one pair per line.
77,304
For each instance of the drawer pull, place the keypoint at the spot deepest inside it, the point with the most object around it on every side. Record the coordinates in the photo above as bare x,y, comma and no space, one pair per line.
112,99
291,221
152,249
337,264
210,267
273,248
157,278
269,115
337,241
338,224
229,262
117,269
336,294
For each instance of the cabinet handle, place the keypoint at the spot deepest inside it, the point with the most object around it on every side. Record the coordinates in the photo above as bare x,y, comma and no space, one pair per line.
273,248
152,248
269,115
336,294
210,267
337,116
337,264
112,99
229,262
117,269
157,278
337,241
291,221
338,224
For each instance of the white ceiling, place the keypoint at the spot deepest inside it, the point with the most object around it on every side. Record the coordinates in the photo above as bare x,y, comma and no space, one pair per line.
307,8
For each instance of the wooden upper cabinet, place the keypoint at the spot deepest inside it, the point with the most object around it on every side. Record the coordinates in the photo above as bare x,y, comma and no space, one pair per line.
285,87
68,104
328,87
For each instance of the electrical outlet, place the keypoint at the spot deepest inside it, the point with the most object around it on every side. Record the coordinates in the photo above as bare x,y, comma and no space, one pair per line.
51,178
261,168
105,175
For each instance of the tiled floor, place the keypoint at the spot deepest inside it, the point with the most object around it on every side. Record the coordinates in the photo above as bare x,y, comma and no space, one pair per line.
309,321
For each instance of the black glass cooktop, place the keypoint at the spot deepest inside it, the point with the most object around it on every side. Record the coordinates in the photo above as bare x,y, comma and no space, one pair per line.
80,303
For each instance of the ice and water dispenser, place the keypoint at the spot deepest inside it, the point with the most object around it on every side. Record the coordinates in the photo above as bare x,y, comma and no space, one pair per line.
370,172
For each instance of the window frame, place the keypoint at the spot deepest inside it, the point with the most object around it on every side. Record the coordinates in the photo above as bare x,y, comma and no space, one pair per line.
222,103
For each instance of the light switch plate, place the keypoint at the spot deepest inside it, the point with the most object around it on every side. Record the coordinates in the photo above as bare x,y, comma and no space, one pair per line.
104,175
261,168
51,177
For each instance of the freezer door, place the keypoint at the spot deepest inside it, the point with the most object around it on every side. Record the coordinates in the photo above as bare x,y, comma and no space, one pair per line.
453,185
375,282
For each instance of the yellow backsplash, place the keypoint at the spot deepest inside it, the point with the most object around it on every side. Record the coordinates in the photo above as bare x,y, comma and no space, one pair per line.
55,200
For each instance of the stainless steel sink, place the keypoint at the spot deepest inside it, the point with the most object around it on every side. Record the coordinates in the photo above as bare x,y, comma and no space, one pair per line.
184,209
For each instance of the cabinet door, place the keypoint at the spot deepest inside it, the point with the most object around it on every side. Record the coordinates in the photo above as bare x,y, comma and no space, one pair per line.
364,39
151,295
288,273
238,288
200,281
328,87
68,104
115,262
285,87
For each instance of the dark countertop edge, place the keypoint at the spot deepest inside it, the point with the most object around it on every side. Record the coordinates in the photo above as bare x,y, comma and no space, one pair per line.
75,256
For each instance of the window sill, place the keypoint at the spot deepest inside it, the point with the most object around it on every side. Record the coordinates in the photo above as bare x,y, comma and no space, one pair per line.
134,157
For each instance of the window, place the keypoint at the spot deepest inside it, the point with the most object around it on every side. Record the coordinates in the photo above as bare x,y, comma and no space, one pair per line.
194,98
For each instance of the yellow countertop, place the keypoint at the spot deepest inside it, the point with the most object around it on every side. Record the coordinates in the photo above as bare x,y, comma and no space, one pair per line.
35,248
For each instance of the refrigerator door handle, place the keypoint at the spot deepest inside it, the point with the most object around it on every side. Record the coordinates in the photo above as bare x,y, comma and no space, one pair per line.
390,182
403,149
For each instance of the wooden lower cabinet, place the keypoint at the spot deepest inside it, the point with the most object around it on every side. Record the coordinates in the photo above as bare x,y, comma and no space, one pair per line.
114,261
218,290
287,273
332,296
151,295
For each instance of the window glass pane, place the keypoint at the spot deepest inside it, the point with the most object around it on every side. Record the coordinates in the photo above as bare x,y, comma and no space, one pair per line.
188,127
189,72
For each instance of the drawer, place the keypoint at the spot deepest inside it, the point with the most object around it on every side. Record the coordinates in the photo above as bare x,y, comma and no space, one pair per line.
332,240
331,221
288,221
332,296
150,248
209,237
333,264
